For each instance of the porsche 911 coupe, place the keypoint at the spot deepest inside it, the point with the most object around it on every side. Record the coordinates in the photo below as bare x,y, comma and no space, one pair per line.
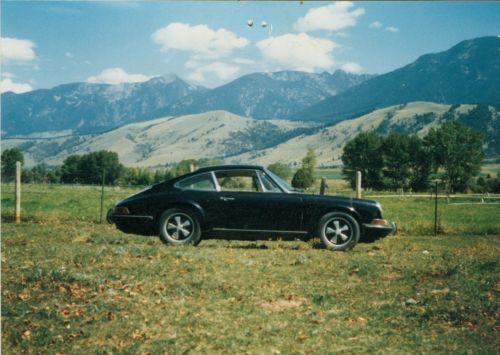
246,202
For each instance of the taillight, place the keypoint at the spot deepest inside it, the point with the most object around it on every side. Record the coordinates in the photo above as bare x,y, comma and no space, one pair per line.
121,210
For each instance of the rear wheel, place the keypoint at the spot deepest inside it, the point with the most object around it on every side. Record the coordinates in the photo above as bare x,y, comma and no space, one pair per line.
339,231
178,226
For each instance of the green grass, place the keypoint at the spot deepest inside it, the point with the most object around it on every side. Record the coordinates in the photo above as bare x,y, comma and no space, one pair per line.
330,173
71,285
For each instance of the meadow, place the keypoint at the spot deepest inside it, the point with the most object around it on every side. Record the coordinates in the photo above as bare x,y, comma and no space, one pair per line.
73,285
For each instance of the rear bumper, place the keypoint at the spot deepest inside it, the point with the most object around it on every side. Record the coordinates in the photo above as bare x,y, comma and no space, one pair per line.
135,224
109,216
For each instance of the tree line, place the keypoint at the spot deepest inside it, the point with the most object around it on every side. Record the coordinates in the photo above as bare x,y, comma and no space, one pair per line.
452,153
93,168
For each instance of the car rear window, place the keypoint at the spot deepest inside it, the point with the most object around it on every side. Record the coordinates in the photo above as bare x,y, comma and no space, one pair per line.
197,182
237,180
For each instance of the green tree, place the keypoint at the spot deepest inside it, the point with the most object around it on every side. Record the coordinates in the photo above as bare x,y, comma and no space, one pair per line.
42,173
280,169
88,168
183,167
363,153
70,172
396,154
305,176
420,164
458,150
9,159
159,176
309,161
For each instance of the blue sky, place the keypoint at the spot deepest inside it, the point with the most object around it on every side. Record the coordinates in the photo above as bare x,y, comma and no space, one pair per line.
45,44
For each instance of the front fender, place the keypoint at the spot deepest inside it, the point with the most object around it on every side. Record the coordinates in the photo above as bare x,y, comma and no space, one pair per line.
311,223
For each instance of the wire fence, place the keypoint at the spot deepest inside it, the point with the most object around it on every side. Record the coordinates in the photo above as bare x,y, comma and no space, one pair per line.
459,198
415,213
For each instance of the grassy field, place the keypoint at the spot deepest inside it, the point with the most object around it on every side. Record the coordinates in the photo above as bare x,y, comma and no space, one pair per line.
72,285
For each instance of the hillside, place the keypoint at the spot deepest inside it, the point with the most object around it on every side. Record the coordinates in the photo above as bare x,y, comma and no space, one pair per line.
466,73
415,117
167,140
237,139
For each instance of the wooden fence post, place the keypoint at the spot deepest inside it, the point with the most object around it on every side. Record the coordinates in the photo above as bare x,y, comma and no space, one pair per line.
17,213
436,210
323,186
102,194
358,184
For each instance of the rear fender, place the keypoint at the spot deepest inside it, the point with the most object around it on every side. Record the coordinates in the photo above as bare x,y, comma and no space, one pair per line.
190,205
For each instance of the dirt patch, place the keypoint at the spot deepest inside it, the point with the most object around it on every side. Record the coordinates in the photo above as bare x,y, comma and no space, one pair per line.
283,304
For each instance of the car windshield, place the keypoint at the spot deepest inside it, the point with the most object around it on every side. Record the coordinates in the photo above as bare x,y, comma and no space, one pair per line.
280,181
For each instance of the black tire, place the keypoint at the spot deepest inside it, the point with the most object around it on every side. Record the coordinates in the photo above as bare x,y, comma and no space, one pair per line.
338,231
177,226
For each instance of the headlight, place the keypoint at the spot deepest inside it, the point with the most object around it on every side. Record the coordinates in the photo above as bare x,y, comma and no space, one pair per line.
379,222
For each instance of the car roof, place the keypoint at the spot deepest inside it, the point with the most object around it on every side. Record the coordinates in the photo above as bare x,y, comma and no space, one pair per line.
229,167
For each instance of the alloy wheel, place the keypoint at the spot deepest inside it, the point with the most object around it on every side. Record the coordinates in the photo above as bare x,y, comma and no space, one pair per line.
179,226
338,231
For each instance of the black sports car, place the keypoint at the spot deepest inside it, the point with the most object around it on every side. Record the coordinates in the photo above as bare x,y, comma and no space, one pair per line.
246,202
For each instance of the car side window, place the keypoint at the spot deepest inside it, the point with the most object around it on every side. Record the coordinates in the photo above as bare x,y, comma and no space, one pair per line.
198,182
238,180
269,185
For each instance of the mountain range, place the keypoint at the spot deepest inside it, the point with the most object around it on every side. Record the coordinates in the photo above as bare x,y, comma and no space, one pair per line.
469,72
85,107
88,108
166,119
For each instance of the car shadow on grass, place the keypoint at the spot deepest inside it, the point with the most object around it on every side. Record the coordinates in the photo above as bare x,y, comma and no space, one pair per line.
261,245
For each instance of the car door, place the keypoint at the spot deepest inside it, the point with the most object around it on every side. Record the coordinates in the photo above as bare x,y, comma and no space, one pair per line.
244,204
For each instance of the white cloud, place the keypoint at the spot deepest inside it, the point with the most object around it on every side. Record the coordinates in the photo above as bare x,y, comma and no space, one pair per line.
334,17
376,24
351,67
8,85
341,34
300,52
68,55
14,49
243,61
7,74
199,40
223,71
392,29
116,76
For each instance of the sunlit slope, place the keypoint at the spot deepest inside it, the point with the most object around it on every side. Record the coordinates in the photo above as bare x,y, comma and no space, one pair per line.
415,117
167,140
236,139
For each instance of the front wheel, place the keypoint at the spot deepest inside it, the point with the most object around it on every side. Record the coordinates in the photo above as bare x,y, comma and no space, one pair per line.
339,231
179,227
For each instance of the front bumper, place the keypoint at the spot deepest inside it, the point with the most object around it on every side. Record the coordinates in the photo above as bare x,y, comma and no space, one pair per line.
375,231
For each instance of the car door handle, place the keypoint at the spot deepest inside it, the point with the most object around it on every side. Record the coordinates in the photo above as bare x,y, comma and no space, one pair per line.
225,199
